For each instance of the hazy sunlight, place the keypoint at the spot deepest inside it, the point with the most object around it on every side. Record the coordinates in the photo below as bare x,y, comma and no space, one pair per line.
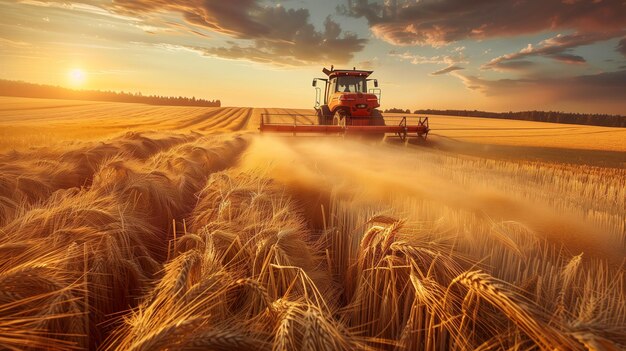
324,175
77,77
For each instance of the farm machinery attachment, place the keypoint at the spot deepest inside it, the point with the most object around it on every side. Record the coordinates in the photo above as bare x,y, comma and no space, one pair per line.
345,106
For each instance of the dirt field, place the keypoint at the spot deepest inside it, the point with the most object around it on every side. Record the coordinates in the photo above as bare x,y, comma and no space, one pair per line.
126,226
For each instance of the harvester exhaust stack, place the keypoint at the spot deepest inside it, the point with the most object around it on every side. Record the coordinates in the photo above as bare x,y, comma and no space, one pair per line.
345,106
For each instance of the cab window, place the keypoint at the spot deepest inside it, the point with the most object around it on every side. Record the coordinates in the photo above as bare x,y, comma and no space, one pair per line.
350,84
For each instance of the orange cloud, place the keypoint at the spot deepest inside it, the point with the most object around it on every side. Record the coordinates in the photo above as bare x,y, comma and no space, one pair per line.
603,88
278,35
556,48
436,23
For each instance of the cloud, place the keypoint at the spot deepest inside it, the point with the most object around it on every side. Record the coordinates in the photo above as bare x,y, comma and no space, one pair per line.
446,70
621,47
247,53
84,6
456,56
506,65
440,22
557,48
606,87
276,34
569,58
13,43
369,64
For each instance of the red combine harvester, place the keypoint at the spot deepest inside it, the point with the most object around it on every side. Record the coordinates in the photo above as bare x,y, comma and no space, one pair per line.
348,107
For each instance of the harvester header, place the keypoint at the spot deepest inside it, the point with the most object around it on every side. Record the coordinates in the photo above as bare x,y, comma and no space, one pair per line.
347,103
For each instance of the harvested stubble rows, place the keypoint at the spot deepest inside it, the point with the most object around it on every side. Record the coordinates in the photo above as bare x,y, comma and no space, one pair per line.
167,241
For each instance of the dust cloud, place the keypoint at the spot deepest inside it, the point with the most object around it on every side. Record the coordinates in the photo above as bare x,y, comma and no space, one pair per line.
368,172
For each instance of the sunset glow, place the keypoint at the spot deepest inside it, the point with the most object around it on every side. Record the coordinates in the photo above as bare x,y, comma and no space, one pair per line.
497,55
77,77
415,175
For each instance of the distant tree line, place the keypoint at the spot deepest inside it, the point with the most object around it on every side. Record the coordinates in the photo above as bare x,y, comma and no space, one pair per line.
30,90
397,110
593,119
539,116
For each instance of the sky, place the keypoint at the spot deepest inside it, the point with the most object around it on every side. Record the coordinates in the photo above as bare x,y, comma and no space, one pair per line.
495,55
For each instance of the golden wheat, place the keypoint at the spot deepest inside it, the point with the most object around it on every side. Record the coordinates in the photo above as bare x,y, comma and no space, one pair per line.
180,240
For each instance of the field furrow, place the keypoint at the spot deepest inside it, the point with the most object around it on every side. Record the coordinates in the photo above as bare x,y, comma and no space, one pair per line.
243,122
230,122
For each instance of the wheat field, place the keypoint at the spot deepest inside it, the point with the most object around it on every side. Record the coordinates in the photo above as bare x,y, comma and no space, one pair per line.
135,227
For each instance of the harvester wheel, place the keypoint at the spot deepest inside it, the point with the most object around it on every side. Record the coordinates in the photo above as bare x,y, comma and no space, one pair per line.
323,116
339,118
377,120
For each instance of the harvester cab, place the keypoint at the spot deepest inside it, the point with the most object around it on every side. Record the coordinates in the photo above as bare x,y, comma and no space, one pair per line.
346,100
347,103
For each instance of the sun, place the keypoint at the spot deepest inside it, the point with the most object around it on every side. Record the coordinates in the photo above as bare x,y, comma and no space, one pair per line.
77,77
